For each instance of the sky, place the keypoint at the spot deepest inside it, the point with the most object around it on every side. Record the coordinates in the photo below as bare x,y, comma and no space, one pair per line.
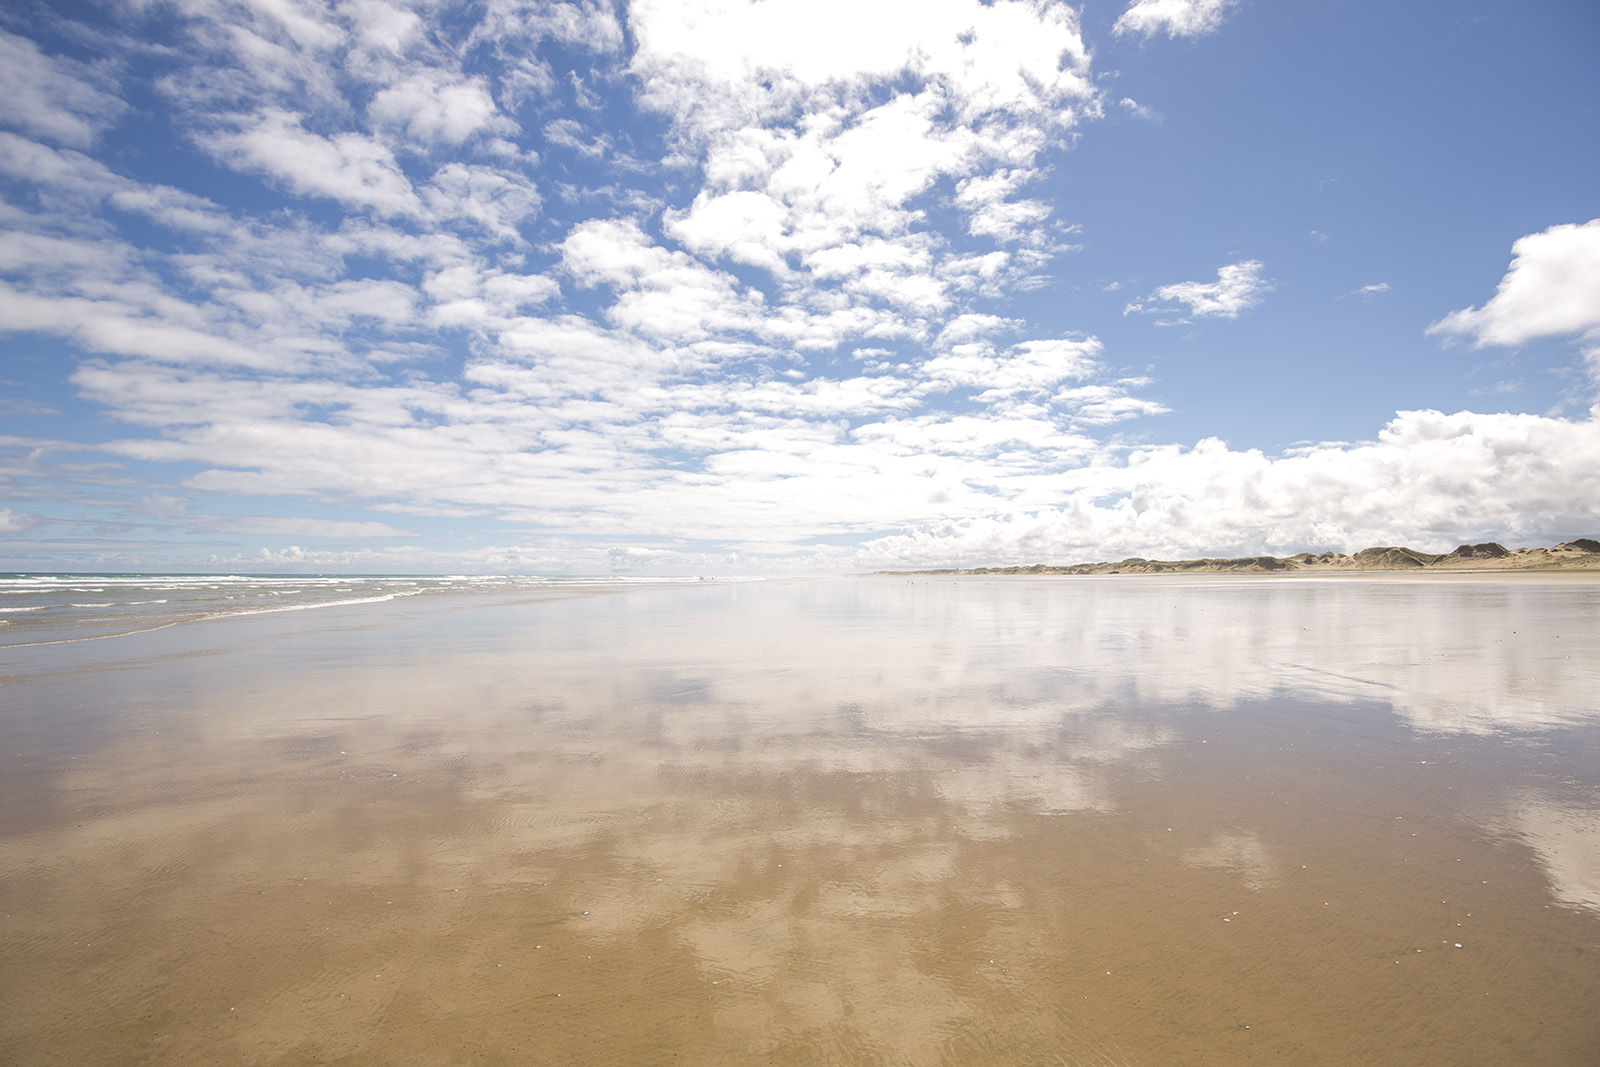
792,286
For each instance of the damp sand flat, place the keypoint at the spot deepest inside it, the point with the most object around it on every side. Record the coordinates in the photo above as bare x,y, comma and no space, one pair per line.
877,821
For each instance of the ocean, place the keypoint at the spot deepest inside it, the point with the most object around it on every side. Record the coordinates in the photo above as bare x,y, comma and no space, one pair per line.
44,608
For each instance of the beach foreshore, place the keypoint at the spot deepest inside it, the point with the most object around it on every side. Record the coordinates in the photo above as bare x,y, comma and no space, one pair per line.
851,821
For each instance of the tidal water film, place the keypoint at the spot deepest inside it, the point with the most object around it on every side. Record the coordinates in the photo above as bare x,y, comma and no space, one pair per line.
888,820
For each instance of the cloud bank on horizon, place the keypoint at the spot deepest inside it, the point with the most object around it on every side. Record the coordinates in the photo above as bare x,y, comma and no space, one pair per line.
726,286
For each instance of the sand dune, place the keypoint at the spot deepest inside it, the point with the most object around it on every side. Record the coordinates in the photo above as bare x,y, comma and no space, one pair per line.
1581,553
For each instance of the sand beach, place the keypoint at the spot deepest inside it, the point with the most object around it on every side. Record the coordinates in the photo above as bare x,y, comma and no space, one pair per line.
912,820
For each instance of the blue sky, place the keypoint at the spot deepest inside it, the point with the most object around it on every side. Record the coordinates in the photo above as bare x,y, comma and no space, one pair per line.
714,286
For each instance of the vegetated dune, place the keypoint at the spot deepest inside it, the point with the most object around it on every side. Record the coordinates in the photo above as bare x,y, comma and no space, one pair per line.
1581,553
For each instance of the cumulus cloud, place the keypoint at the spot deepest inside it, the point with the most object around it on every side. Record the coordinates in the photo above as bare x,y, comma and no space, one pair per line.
439,107
815,146
1429,480
1177,18
1010,54
1239,287
744,225
1551,289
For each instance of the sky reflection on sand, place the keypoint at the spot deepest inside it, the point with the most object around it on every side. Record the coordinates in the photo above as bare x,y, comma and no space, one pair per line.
802,821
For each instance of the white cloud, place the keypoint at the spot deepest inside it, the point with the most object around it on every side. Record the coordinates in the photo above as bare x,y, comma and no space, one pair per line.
439,107
569,133
1239,287
118,327
583,25
384,28
815,146
490,301
347,167
633,556
660,294
1138,110
51,96
286,526
1003,55
870,255
1178,18
16,522
1551,289
993,212
496,200
71,185
1430,481
400,330
254,54
1102,405
632,384
1029,367
172,207
746,226
972,326
40,253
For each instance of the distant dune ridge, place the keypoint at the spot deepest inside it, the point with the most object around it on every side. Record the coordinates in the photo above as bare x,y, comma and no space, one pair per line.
1581,553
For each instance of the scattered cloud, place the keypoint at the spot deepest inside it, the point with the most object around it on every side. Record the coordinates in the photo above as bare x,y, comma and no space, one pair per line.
569,133
438,107
350,168
1239,287
1177,18
1030,367
1138,110
1501,388
53,97
793,301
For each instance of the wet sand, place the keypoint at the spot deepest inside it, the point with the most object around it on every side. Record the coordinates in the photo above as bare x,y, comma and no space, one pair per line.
877,821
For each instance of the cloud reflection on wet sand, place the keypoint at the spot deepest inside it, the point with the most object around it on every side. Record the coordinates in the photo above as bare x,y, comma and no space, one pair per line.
871,821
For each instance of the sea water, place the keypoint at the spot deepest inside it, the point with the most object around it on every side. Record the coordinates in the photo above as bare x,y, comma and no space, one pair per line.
37,608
